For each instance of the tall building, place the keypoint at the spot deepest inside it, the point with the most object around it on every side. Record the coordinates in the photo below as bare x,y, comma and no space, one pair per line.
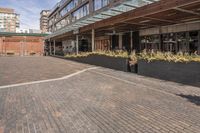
43,20
160,25
9,20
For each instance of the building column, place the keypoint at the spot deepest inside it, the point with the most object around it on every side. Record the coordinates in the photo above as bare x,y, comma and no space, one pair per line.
50,47
77,48
187,41
131,40
54,47
91,6
93,40
120,41
160,41
198,43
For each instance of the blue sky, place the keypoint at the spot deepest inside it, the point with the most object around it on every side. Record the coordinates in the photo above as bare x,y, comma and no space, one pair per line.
29,10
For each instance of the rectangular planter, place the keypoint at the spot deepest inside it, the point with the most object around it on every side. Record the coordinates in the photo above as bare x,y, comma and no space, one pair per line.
116,63
185,73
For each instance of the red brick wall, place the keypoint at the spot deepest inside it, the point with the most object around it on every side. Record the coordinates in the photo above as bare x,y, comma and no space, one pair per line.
1,44
21,45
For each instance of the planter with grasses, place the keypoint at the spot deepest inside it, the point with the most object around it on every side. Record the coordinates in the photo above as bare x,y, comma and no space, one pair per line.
181,68
113,60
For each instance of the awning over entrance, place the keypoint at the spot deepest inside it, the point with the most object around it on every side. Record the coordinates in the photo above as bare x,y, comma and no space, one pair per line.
105,13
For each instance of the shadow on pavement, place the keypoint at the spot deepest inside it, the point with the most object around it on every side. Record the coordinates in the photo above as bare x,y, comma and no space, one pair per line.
191,98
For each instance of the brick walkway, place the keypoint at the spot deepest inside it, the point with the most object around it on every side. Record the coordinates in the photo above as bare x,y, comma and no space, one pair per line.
100,101
25,69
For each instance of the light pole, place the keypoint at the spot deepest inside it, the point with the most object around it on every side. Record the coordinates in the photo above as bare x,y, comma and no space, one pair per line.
54,47
93,40
77,48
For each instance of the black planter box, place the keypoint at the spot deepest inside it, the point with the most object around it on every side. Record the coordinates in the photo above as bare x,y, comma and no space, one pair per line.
116,63
185,73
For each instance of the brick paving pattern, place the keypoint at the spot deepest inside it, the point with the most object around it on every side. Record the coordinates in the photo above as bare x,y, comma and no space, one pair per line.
100,101
26,69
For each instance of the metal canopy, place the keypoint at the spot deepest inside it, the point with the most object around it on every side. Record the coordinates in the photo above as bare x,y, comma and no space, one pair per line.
125,6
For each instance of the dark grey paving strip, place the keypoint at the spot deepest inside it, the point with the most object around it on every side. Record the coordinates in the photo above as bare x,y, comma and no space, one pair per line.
167,86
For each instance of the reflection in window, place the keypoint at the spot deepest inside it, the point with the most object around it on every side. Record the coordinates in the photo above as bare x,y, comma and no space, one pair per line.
81,12
69,7
63,23
98,4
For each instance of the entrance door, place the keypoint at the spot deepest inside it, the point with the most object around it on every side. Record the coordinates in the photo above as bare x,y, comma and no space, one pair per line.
136,41
84,45
126,42
193,41
115,42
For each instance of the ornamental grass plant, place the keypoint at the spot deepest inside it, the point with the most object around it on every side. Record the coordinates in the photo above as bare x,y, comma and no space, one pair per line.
118,53
168,56
149,56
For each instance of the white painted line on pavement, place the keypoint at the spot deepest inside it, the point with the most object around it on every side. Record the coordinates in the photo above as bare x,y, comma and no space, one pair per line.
49,80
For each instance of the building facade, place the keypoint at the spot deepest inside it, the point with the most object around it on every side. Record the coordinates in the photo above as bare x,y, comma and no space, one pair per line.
44,20
159,25
9,20
21,44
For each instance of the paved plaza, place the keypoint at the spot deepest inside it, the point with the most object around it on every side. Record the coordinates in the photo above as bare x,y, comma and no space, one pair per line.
50,95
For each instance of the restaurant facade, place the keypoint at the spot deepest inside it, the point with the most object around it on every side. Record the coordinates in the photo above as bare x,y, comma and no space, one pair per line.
90,25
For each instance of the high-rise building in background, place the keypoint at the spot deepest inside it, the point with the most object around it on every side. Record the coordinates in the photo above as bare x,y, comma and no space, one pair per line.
44,20
9,20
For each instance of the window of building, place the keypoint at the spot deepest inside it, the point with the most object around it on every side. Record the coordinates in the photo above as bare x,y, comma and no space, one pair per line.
98,4
70,6
58,26
62,2
81,12
66,9
75,3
